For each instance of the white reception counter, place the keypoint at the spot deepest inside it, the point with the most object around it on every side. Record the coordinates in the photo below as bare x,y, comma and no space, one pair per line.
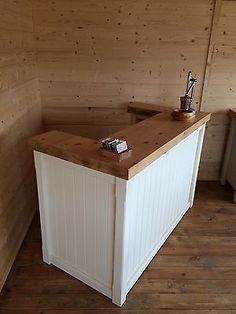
103,221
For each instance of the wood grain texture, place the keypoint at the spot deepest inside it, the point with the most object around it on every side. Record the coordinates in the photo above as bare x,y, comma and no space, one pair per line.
148,140
211,47
20,118
146,109
220,96
97,57
194,272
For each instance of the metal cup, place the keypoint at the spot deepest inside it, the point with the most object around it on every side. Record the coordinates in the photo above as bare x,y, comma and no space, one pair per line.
185,102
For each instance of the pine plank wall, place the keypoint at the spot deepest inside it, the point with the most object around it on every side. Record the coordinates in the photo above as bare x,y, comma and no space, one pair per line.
19,119
95,57
85,61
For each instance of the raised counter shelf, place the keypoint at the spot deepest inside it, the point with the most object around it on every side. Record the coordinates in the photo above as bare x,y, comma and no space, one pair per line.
148,140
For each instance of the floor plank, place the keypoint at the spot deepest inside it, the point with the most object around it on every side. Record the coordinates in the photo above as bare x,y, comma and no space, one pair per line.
193,273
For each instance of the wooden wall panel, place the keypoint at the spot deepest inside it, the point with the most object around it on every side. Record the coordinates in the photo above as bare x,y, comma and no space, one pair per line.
20,117
221,93
95,57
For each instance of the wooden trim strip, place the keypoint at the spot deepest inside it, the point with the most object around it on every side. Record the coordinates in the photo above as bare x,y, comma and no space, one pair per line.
210,52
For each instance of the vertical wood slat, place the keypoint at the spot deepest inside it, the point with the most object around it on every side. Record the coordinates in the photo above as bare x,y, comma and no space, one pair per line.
210,53
120,264
196,163
79,207
157,198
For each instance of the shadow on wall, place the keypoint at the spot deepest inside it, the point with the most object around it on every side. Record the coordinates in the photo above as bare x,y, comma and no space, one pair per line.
92,122
18,199
95,122
214,146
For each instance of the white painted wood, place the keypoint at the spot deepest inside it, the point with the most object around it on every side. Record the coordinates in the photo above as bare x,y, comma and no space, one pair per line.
43,204
156,199
196,163
77,218
119,283
105,230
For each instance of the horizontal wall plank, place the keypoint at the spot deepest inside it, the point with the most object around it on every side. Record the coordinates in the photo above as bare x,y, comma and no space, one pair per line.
20,114
92,116
107,54
91,131
201,8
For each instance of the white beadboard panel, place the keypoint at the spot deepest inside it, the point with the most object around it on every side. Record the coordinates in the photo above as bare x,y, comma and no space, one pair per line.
156,200
105,230
196,163
78,204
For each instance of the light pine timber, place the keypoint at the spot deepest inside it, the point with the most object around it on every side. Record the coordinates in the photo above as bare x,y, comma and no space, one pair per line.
151,48
106,55
20,112
148,140
211,48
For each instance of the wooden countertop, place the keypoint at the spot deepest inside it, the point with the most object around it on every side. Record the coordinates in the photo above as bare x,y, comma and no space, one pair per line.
148,139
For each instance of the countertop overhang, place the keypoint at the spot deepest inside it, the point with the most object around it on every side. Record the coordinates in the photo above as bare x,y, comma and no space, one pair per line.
148,139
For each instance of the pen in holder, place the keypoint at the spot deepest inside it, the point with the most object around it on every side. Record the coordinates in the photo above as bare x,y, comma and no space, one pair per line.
186,112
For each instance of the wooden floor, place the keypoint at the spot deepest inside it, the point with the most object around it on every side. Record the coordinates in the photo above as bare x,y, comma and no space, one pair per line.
194,272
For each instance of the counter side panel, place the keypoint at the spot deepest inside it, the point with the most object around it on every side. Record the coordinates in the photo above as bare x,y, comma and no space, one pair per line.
156,200
77,220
